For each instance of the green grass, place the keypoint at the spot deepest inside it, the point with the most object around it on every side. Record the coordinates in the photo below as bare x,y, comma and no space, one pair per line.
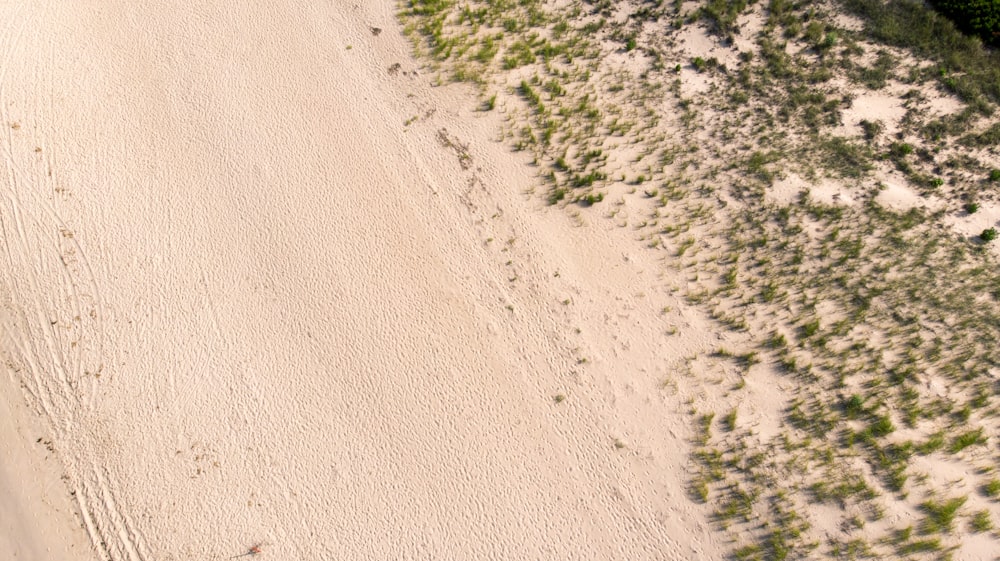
729,421
981,521
704,429
919,546
992,488
721,16
966,439
841,489
940,516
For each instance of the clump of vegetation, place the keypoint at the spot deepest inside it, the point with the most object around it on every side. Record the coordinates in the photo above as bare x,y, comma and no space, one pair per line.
729,421
981,521
872,129
940,516
722,14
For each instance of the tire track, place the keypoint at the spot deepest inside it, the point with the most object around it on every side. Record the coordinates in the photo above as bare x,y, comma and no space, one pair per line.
19,261
95,309
49,273
85,295
131,544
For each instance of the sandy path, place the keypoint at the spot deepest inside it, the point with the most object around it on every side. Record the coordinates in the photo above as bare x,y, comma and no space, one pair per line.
251,305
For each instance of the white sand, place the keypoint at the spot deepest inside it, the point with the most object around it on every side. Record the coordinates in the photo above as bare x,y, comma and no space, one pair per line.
247,304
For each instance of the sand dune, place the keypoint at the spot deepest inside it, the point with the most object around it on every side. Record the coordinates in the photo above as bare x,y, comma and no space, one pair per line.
261,286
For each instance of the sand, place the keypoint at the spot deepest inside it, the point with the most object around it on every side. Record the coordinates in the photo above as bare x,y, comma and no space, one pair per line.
37,517
261,287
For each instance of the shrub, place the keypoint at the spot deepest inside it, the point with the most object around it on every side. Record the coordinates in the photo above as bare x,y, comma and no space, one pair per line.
913,25
978,17
995,175
971,208
989,234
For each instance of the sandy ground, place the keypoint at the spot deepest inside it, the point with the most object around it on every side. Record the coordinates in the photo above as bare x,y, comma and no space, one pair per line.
37,518
262,287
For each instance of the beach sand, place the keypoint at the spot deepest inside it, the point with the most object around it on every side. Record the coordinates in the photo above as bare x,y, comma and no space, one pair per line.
37,517
262,286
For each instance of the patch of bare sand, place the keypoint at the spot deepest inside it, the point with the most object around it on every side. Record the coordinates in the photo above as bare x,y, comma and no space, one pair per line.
789,188
883,107
897,194
968,225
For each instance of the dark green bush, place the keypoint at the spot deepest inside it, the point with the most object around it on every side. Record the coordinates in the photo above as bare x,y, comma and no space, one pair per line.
972,72
976,17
